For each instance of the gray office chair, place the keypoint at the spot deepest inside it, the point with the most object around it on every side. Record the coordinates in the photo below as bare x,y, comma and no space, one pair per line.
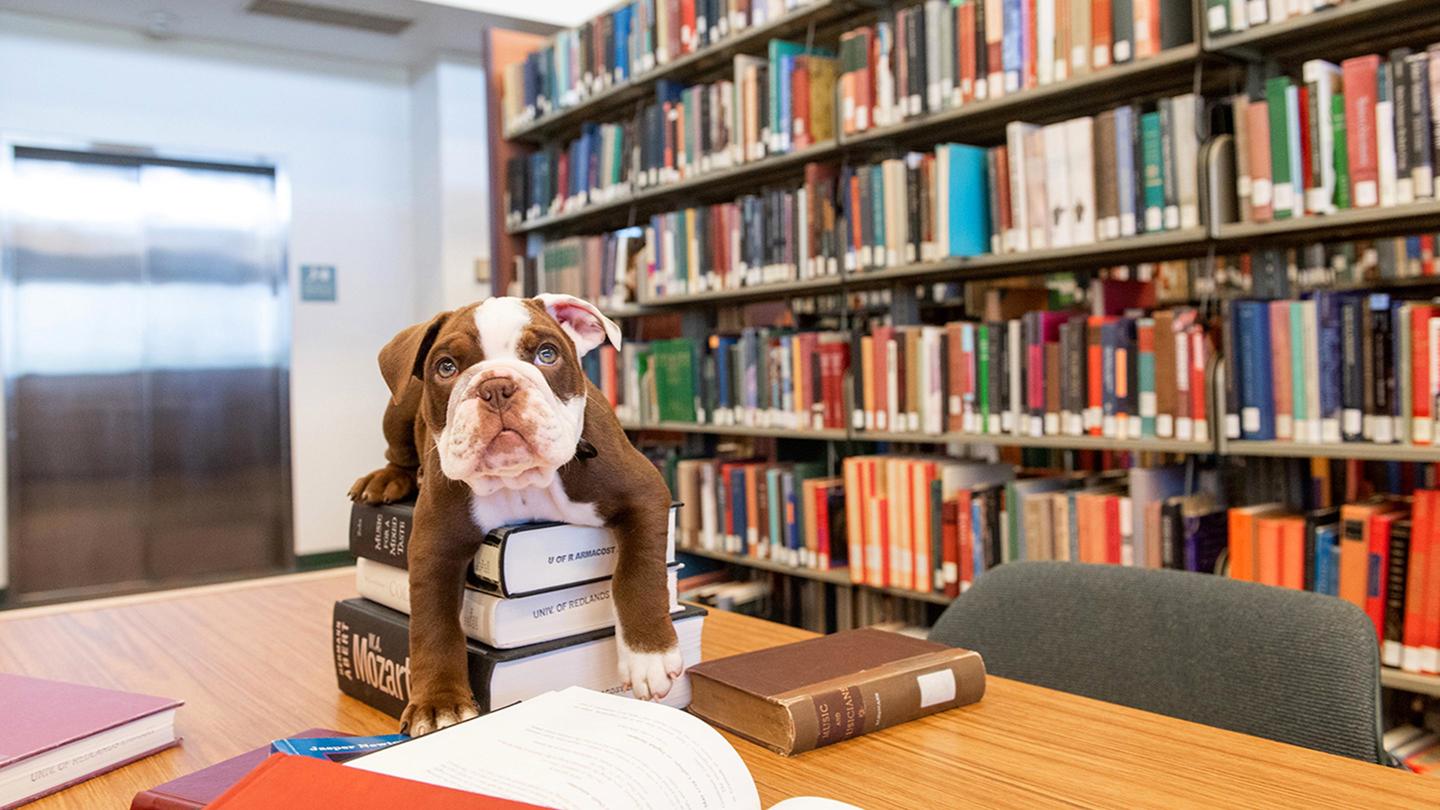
1297,667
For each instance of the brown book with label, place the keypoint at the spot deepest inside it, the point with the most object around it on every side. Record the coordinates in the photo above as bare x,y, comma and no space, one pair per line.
798,697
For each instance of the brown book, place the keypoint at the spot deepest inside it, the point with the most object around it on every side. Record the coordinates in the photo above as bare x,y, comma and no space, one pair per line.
822,98
955,421
798,697
1166,391
1052,389
1107,184
914,397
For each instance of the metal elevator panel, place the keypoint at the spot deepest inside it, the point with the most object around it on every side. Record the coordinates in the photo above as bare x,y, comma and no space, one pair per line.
146,370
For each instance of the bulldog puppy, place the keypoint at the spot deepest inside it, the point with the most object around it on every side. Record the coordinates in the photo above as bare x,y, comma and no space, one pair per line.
492,418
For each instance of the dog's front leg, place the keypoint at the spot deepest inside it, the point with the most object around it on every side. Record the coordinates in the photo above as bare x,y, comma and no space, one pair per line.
440,693
649,653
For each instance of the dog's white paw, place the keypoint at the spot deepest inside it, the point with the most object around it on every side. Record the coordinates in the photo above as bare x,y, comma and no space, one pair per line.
649,675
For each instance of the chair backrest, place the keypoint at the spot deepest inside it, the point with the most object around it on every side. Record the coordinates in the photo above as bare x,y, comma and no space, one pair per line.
1288,665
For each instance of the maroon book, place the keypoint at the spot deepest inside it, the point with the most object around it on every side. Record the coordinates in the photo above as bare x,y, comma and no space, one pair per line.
55,734
195,790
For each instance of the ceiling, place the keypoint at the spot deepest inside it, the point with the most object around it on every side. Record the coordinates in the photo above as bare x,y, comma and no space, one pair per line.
429,28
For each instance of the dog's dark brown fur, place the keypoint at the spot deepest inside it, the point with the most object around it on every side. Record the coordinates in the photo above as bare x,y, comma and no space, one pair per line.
627,490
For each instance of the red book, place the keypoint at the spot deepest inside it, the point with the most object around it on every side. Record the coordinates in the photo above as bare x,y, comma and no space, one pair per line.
1422,426
1113,538
196,790
289,781
1006,217
1101,34
800,102
1280,369
1376,574
1359,79
1095,380
865,98
1308,180
54,734
1430,621
1262,185
1417,583
966,530
1029,75
822,525
689,40
966,44
1199,355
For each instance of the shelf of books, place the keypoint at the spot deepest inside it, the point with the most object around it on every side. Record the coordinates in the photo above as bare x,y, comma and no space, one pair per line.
615,59
1099,291
1273,29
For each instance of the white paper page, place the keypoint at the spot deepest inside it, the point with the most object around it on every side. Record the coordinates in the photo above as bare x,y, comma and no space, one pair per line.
580,749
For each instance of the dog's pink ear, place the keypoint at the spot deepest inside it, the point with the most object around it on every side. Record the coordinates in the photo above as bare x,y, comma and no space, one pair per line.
403,358
581,320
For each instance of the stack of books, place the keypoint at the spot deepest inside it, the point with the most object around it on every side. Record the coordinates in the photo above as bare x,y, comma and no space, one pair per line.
537,611
936,56
1353,135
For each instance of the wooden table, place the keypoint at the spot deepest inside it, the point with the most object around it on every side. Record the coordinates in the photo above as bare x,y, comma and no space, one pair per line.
252,662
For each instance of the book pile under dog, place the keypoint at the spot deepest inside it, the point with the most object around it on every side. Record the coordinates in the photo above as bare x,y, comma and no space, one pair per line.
537,612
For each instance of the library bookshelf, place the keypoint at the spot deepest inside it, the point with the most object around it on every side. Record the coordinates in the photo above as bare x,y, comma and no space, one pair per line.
1212,65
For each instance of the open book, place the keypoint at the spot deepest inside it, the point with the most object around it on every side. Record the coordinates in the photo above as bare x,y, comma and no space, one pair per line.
581,749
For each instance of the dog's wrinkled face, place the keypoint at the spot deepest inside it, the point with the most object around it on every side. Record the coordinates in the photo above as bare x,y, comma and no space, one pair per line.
504,394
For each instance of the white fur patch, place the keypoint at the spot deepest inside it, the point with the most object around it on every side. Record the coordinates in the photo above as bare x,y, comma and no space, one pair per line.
650,675
500,322
505,507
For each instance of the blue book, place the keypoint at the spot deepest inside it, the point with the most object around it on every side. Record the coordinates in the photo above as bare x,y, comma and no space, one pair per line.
335,749
1110,335
1257,396
977,536
786,122
1011,56
1327,322
724,396
788,485
1125,167
622,43
1205,536
969,203
1352,368
1332,572
877,213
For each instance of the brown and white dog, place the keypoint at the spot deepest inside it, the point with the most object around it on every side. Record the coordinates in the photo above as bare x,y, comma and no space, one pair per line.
493,419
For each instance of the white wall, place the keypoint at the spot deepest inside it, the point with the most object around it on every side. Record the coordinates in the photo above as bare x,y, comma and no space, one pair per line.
451,177
341,132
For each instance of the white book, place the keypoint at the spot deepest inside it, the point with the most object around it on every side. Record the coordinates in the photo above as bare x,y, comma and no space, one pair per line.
884,112
1257,12
1057,186
1045,41
1279,10
528,558
1323,80
1311,331
892,387
1187,159
933,50
1080,139
1365,193
1018,237
508,623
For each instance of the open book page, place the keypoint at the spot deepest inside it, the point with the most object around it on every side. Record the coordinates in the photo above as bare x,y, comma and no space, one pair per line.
580,749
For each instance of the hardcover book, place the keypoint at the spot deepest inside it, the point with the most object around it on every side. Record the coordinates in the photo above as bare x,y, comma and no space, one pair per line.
798,697
372,661
506,623
54,734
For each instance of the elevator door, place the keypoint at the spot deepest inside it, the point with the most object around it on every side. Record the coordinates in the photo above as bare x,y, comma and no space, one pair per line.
146,373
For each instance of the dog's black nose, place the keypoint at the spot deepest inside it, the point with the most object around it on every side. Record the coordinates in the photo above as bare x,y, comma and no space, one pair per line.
497,392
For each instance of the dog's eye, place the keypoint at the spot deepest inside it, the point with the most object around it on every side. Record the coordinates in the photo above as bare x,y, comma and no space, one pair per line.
446,368
547,355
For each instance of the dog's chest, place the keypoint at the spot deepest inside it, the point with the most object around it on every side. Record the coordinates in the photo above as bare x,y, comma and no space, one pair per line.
510,506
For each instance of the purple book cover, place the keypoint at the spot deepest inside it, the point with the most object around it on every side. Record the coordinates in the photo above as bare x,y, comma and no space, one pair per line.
198,789
42,715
